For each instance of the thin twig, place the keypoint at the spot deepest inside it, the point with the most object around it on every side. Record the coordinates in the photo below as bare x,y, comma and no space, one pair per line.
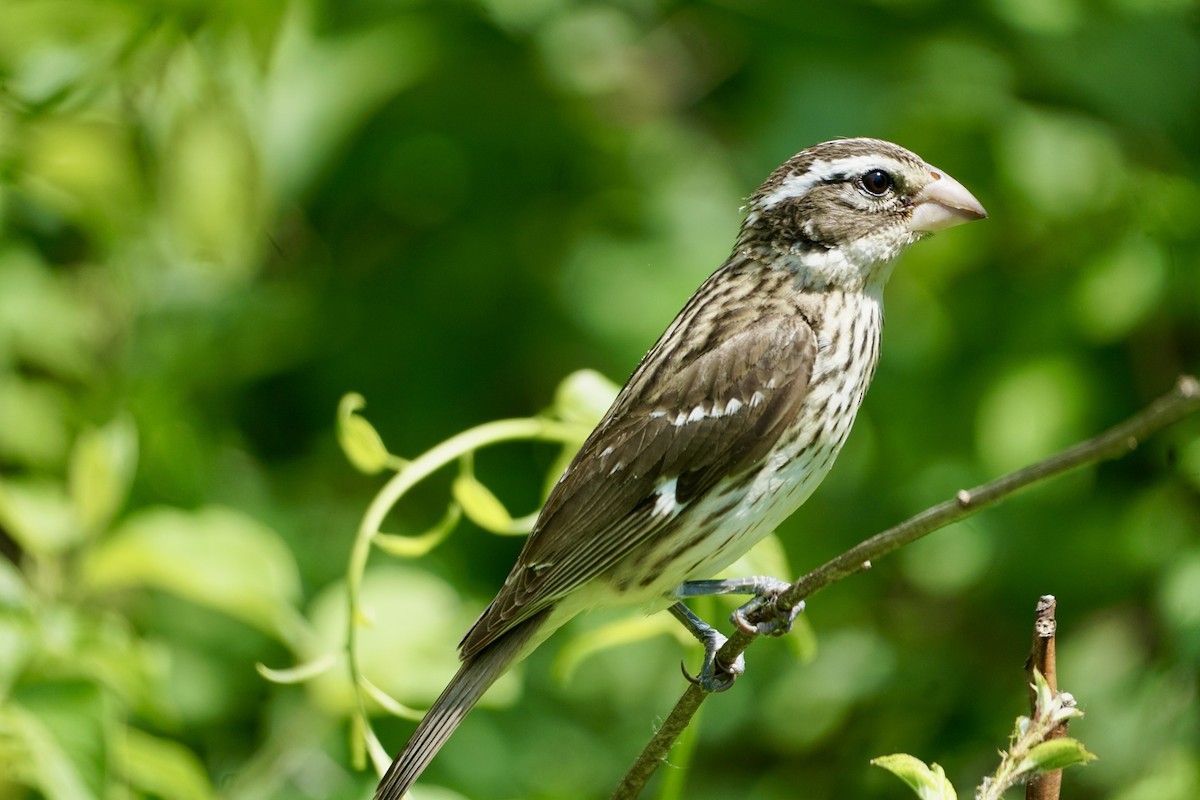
1182,400
1042,658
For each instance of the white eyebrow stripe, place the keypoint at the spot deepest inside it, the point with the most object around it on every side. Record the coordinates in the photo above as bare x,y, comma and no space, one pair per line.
822,171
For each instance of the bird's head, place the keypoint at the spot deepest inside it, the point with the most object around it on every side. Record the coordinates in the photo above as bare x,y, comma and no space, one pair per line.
840,211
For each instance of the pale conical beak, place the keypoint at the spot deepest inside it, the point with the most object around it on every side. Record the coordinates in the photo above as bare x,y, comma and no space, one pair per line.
943,203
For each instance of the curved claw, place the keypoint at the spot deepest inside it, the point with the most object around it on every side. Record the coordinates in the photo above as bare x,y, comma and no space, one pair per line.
711,679
778,624
716,685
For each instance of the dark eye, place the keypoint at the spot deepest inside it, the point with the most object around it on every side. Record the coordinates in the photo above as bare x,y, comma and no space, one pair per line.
876,182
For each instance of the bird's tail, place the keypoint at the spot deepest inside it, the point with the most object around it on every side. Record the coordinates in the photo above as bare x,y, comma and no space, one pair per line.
473,679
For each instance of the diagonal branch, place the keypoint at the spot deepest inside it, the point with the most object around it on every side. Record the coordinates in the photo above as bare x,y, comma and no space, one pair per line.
1182,400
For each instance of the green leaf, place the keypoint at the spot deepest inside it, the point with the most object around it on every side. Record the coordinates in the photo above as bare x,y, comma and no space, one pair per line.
417,546
388,703
301,672
216,557
358,438
928,782
39,515
160,767
584,396
101,471
1055,754
481,506
44,762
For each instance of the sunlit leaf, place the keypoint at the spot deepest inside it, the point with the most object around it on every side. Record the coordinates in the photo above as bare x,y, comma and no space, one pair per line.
927,782
308,112
480,505
14,591
211,194
419,545
583,397
359,439
388,703
33,421
217,557
44,763
39,515
101,471
301,672
1055,754
161,767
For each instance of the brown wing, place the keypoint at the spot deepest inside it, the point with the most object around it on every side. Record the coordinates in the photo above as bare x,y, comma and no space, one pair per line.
698,417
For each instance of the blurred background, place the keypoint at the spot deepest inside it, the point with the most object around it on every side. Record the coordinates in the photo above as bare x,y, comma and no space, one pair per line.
218,218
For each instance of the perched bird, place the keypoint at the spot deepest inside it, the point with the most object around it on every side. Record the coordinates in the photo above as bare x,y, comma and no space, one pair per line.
727,425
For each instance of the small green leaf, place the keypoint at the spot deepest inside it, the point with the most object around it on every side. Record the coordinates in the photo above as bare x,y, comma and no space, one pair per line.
39,515
358,438
417,546
161,767
928,782
101,471
388,703
301,672
1055,754
481,506
583,397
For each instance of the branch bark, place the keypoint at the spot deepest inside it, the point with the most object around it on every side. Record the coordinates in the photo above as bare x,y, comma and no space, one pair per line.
1182,400
1042,657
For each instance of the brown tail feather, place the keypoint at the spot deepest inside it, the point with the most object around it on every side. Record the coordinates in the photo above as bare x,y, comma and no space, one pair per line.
473,679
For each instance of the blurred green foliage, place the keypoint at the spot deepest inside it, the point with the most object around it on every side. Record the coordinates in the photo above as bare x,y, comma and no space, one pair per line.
218,218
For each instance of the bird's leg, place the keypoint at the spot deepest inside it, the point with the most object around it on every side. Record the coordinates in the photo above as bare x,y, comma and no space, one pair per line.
713,677
776,622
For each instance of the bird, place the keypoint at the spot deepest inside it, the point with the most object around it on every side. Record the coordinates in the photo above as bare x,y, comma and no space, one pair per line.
727,424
